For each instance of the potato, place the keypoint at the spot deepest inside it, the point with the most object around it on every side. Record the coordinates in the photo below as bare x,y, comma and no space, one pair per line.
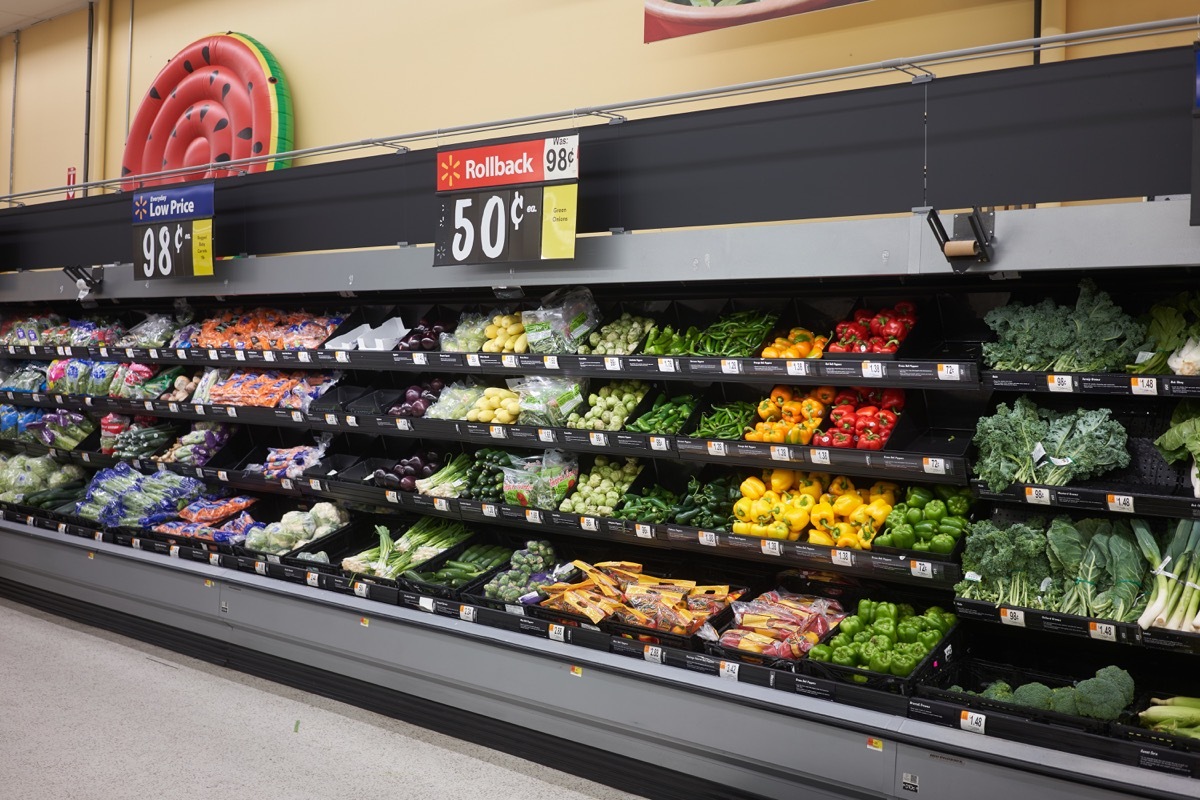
486,415
522,344
503,417
473,415
513,407
516,329
491,330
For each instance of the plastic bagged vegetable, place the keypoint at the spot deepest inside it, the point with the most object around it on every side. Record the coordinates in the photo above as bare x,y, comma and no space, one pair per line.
455,401
548,401
215,509
469,335
563,322
155,330
29,378
540,481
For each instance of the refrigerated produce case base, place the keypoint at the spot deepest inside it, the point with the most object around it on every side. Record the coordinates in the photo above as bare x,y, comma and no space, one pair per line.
650,729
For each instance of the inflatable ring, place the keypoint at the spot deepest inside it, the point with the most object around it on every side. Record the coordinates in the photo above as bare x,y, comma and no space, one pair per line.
219,99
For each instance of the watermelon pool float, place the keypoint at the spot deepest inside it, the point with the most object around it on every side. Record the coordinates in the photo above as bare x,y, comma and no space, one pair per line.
219,99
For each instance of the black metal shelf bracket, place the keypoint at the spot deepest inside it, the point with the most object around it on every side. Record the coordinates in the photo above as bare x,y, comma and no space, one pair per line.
973,241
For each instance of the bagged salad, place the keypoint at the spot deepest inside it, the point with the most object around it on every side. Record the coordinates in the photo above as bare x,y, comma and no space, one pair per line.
540,481
548,401
563,321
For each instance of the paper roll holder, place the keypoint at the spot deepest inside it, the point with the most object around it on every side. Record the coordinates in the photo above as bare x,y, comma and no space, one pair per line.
973,239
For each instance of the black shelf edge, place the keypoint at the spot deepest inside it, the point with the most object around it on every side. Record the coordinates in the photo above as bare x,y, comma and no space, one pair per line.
1075,498
1096,383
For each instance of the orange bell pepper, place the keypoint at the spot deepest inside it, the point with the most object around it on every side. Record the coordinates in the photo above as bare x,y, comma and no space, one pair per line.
824,394
812,408
781,394
799,434
768,410
770,351
800,349
793,411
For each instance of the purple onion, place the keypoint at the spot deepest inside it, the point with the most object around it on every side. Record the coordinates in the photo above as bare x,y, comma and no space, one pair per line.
419,406
437,384
413,394
426,471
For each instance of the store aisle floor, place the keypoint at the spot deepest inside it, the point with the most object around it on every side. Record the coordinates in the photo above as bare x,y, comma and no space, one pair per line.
91,715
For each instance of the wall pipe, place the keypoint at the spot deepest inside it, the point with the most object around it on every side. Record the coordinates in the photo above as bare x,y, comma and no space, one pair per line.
611,110
12,134
87,99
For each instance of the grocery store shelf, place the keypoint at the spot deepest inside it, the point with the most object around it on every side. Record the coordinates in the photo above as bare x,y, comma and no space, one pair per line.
1077,498
680,719
1107,383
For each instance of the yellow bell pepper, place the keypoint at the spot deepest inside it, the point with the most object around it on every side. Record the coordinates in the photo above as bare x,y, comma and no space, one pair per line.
859,516
772,495
742,528
763,511
840,485
866,535
849,541
769,411
878,511
798,434
843,529
820,478
820,537
827,498
883,490
753,488
782,480
846,504
743,509
821,516
804,501
794,536
759,530
796,518
810,489
778,530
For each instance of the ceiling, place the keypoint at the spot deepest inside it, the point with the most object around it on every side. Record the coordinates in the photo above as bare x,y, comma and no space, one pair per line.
18,14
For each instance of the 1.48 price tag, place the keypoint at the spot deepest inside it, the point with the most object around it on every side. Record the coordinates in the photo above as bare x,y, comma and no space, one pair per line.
972,721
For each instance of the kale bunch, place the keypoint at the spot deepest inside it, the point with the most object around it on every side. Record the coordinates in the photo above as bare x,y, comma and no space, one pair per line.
1005,566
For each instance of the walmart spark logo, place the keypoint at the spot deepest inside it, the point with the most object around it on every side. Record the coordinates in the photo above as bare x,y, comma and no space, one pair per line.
140,208
449,167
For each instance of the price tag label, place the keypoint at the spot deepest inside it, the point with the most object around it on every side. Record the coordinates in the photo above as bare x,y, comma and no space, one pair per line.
360,589
797,368
949,372
550,362
260,568
498,432
643,530
781,452
128,352
872,369
934,466
136,544
222,476
304,356
352,421
392,496
612,363
731,366
402,424
312,579
104,352
708,538
598,439
666,365
509,361
314,484
98,536
441,504
268,355
181,355
716,448
200,473
1144,386
489,510
1120,502
511,608
1104,631
173,408
466,613
557,632
331,419
843,558
419,359
37,398
1012,616
173,551
771,547
87,457
214,559
231,411
212,355
286,484
1060,383
154,353
820,456
199,409
653,654
58,398
588,524
920,569
972,721
729,669
425,604
658,443
1037,495
533,515
472,359
239,355
148,405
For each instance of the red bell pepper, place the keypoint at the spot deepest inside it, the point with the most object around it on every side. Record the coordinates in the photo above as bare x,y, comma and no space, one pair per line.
863,315
870,440
890,346
892,400
823,440
843,417
875,344
846,397
837,347
879,321
905,309
843,439
867,411
885,418
894,329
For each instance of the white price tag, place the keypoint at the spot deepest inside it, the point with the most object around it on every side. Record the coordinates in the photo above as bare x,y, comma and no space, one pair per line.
643,530
214,559
612,363
781,452
128,352
59,351
181,355
104,352
173,551
921,569
1105,631
498,432
729,669
425,603
716,448
653,654
1012,616
312,579
489,510
731,366
949,372
222,476
588,524
314,484
352,421
87,457
392,496
1037,495
659,443
872,369
200,473
260,568
136,544
331,419
154,354
545,435
148,405
472,359
87,401
598,439
1144,386
33,351
533,515
402,424
771,547
666,365
441,504
797,368
62,527
844,558
1120,502
286,484
98,536
231,411
360,589
517,609
934,466
1060,383
341,356
239,355
550,362
509,361
212,355
199,409
37,398
419,359
972,721
707,538
173,408
466,613
268,355
820,456
304,356
557,632
58,398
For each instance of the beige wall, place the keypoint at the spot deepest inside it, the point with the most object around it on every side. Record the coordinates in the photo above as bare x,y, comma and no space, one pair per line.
369,68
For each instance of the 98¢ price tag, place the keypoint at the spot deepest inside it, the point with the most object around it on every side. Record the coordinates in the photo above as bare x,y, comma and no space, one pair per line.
1037,495
1060,383
1012,616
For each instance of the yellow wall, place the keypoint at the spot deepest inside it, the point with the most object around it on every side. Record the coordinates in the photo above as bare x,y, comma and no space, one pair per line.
370,68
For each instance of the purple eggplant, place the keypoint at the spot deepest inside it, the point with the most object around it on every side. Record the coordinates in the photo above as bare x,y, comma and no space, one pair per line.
408,484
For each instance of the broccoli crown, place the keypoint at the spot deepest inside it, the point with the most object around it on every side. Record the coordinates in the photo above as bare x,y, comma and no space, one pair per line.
1062,700
1099,698
1122,679
1000,690
1033,695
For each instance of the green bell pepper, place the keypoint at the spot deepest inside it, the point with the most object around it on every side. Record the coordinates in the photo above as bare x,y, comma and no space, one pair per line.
821,652
944,492
913,516
885,628
903,665
841,640
863,636
883,540
882,662
870,650
907,632
896,517
844,657
920,623
904,611
929,639
942,543
881,641
903,537
851,625
917,496
884,611
954,522
939,621
949,530
914,649
866,611
934,510
920,546
958,505
925,530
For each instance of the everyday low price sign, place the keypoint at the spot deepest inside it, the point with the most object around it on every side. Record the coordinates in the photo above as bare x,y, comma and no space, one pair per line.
507,202
172,232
